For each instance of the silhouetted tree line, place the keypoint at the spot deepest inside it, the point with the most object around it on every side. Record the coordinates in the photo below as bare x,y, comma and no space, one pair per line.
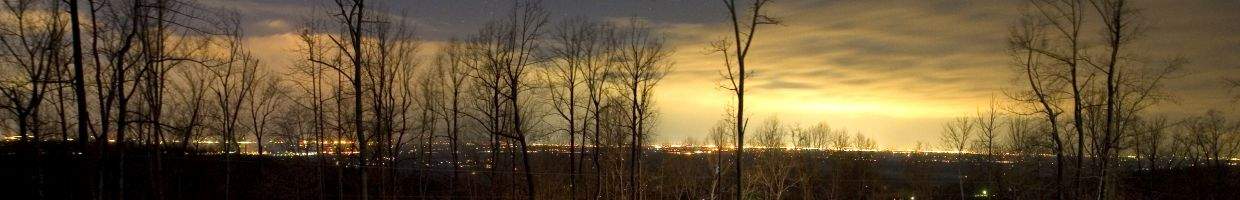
162,99
170,83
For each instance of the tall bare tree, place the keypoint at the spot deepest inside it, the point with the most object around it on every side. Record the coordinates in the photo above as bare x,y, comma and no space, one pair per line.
508,49
642,63
352,14
455,73
987,122
348,44
575,48
316,84
235,81
265,100
1131,85
79,80
1066,48
596,76
743,32
1027,46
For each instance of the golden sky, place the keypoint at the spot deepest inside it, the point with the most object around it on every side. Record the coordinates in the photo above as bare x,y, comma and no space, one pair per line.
893,70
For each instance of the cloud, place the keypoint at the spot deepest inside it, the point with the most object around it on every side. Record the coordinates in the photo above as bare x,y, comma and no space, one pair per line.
864,49
890,68
785,84
925,59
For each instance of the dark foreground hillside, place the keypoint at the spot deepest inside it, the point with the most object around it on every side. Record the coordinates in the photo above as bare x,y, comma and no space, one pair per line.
667,173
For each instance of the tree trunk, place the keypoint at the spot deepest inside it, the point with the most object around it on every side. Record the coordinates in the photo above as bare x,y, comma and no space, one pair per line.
357,96
79,82
525,162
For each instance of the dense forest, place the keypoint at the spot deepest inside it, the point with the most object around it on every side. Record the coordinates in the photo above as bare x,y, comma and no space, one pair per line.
162,99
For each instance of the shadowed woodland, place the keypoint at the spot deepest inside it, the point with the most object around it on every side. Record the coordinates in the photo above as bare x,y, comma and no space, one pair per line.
162,99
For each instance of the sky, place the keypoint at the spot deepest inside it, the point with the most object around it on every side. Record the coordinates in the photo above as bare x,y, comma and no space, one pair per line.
892,70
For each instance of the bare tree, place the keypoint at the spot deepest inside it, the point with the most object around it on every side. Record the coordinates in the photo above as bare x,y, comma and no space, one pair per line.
958,135
486,90
191,103
79,80
1026,145
390,78
840,140
805,141
773,171
743,32
1118,20
1045,88
348,45
861,142
235,81
1023,136
1151,139
721,137
507,49
32,39
352,15
575,47
1065,48
521,37
266,99
310,82
1215,140
32,53
642,63
988,141
1132,85
113,32
456,73
596,75
988,129
818,136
